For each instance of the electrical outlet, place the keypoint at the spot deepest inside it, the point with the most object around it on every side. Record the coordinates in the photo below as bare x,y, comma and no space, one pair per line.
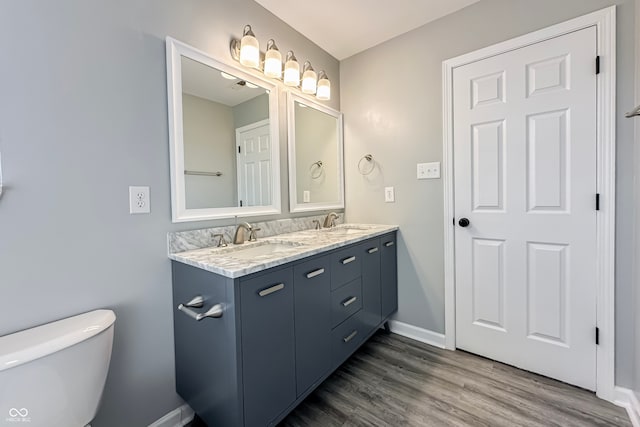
428,170
306,196
139,201
389,195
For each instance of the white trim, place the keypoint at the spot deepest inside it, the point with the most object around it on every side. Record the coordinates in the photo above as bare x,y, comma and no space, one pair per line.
627,399
179,417
294,204
415,333
604,21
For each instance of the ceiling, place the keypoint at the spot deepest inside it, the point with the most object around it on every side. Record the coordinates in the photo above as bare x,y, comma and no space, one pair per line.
360,24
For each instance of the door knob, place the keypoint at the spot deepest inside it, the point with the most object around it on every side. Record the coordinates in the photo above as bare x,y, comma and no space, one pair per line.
464,222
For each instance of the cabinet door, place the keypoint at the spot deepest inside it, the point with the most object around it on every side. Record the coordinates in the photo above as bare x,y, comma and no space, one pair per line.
268,349
312,289
371,293
389,274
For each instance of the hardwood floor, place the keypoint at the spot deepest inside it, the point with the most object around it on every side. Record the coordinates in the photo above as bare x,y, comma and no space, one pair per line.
395,381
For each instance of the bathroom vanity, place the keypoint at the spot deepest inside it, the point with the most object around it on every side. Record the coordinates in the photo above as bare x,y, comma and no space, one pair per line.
276,317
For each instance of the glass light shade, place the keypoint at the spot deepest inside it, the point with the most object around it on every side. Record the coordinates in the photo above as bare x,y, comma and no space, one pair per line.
309,79
272,61
291,70
324,88
249,49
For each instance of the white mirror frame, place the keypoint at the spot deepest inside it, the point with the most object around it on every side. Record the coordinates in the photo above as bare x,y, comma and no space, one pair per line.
179,211
294,204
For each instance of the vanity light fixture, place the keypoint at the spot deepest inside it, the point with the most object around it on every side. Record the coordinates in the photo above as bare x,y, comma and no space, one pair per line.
247,52
324,87
309,79
291,70
272,61
249,49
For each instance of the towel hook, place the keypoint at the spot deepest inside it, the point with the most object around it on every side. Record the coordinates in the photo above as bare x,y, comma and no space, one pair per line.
362,167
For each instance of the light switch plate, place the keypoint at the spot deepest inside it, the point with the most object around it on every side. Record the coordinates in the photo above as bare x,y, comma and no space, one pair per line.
139,201
428,170
389,195
306,196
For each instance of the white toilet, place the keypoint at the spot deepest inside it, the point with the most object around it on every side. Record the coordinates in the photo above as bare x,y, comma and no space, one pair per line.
53,375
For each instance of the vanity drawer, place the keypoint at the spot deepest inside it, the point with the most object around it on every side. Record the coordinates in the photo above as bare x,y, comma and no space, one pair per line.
346,266
346,301
346,338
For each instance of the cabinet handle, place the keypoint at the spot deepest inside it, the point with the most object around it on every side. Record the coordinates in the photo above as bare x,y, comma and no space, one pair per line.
348,260
272,289
215,312
372,250
315,273
349,301
389,244
350,336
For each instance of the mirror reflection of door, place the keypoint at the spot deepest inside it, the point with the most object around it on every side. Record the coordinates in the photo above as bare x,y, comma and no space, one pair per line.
253,146
214,106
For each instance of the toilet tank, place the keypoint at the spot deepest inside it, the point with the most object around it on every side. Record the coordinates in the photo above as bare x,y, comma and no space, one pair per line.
53,375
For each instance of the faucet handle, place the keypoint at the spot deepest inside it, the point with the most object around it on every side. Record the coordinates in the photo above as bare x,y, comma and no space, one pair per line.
316,223
253,236
222,243
333,220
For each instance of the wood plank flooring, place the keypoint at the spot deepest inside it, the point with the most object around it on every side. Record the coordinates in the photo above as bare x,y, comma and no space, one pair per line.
395,381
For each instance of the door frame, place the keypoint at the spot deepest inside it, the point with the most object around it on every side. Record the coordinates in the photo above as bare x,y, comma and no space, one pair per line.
605,22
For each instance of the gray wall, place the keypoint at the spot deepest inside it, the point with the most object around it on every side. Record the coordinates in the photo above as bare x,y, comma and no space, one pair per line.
83,115
209,146
637,205
392,102
251,111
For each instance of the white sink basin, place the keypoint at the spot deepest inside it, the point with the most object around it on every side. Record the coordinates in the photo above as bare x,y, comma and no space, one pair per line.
262,249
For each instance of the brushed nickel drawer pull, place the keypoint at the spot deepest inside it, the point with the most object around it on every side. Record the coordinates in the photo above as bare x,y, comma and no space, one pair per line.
348,260
389,244
272,289
315,273
372,250
350,336
349,301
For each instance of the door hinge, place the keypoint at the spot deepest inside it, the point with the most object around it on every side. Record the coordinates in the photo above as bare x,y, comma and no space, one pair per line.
454,221
240,203
598,64
597,336
597,201
238,149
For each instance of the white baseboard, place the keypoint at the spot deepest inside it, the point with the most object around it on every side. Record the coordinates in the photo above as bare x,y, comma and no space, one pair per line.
628,400
415,333
179,417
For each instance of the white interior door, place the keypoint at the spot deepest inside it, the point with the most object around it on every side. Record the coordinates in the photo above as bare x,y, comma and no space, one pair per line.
525,178
253,146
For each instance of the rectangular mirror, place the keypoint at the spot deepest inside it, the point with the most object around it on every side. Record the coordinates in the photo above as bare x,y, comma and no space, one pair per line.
223,134
316,170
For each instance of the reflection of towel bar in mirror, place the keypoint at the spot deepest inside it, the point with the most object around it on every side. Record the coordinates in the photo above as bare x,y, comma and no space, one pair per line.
316,169
633,113
202,173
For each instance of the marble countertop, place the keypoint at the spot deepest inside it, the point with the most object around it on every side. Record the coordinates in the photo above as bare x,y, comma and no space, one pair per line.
233,263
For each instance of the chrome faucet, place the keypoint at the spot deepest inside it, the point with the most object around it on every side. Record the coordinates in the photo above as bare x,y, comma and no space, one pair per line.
330,220
238,238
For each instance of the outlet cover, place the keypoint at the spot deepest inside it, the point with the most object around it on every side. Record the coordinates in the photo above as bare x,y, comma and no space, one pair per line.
428,170
389,194
139,201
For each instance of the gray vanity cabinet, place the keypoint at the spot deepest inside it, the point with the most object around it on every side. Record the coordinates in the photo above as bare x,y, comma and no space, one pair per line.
389,274
268,345
312,288
282,330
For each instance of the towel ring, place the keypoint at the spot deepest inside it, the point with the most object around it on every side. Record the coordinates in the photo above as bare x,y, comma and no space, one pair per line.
362,166
319,168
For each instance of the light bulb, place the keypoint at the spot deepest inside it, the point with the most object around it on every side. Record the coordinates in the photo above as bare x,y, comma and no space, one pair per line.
291,70
249,49
272,61
324,87
309,79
